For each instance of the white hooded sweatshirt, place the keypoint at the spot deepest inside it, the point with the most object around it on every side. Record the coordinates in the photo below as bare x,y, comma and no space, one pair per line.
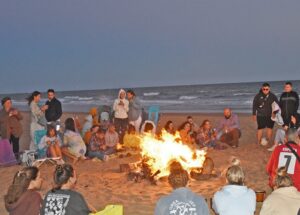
121,111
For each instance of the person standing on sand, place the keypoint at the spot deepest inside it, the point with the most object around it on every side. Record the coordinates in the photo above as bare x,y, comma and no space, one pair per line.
262,112
228,129
38,120
289,104
54,111
121,107
182,200
10,125
135,110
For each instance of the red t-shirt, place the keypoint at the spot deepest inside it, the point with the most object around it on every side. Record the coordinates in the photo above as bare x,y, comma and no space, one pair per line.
283,156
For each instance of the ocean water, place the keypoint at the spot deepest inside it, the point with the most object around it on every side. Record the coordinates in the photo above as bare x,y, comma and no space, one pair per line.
188,98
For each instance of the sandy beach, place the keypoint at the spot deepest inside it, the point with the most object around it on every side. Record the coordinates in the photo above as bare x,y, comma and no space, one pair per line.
101,182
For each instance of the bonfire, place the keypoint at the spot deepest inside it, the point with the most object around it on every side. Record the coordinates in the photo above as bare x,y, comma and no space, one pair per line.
159,153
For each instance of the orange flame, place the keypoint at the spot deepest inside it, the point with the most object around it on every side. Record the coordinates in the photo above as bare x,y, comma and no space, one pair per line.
161,152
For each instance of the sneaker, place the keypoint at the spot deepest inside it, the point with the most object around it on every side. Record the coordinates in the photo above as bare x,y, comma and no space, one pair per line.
264,141
271,149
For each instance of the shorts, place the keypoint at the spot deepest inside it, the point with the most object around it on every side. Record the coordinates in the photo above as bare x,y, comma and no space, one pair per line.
264,122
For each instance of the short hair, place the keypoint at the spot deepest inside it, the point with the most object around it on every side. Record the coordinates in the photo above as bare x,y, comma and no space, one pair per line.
189,117
266,84
50,91
291,135
131,92
5,99
178,176
282,179
148,127
131,128
288,83
235,175
101,131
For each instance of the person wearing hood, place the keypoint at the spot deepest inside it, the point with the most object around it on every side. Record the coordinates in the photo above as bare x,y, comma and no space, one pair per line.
234,198
121,108
22,197
285,199
182,200
289,103
262,112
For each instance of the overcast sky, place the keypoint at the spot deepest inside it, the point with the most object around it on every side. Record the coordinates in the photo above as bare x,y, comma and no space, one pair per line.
74,45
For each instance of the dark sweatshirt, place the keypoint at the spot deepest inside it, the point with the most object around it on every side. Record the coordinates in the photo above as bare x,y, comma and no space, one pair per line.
262,104
54,111
28,204
289,104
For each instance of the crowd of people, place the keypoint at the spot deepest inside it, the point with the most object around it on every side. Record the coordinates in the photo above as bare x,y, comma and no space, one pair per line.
98,139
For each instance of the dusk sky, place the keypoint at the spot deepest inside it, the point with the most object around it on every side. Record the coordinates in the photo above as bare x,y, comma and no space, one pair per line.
76,45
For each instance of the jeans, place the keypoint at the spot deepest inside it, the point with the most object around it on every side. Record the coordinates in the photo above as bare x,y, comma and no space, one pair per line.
15,144
96,154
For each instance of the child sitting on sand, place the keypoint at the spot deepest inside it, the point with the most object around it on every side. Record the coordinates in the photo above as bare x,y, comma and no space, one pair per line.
51,142
97,146
111,139
131,139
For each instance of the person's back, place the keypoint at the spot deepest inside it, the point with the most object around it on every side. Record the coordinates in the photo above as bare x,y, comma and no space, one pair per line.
62,199
182,200
234,198
283,156
285,199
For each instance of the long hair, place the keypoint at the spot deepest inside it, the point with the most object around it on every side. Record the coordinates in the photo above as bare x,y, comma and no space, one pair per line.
183,125
31,97
167,125
62,174
51,127
20,184
70,124
204,122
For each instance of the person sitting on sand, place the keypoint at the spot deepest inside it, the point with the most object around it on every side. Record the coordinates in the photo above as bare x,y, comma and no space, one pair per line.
73,140
51,142
148,127
88,135
206,135
169,127
111,139
22,196
234,198
184,132
194,126
62,199
280,133
131,139
182,200
97,146
228,129
285,199
288,155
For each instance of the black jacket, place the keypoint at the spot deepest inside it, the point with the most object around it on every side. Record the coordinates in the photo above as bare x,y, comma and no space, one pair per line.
262,104
54,110
289,104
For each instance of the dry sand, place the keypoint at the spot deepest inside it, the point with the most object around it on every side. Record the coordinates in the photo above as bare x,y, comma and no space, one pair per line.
102,184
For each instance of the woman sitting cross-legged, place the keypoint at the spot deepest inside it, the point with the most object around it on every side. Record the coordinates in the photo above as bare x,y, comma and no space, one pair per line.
52,142
22,197
62,199
73,140
97,147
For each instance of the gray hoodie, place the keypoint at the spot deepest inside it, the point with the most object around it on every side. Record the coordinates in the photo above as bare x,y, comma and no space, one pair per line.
135,109
182,201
